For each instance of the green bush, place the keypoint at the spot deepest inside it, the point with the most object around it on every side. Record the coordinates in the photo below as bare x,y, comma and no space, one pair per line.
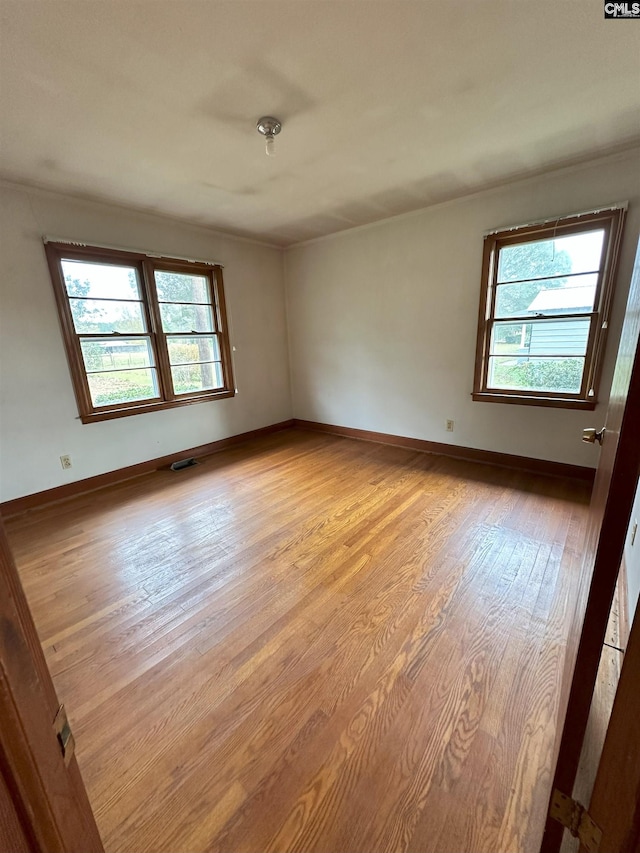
122,395
538,375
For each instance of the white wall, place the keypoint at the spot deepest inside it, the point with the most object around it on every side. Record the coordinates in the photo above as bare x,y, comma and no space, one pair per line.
382,327
632,559
382,319
38,413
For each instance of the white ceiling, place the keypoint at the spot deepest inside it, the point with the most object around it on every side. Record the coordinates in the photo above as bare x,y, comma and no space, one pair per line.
386,106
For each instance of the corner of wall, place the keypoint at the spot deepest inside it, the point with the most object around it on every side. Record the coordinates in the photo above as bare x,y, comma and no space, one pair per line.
287,317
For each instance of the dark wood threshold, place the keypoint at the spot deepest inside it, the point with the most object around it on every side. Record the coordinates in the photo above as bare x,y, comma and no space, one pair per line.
470,454
71,490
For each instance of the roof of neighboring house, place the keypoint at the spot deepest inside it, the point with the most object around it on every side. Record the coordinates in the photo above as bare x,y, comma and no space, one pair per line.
564,297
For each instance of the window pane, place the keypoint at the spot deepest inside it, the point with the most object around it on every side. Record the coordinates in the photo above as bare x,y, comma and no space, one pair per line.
100,281
116,353
567,336
186,318
197,377
97,317
177,287
122,386
537,374
510,339
187,350
547,296
543,258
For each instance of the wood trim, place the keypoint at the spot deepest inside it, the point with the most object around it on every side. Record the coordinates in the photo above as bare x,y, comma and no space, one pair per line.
71,490
49,798
562,225
612,262
11,580
69,337
521,400
163,369
610,511
98,250
623,606
611,220
126,411
471,454
485,310
14,831
222,324
615,802
145,267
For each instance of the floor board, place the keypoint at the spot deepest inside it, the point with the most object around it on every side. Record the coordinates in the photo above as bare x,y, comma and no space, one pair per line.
310,643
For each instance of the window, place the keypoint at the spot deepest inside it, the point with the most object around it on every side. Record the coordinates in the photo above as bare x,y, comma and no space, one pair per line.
141,333
544,309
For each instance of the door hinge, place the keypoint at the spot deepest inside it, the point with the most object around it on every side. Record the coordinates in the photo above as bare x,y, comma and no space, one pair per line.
64,734
571,814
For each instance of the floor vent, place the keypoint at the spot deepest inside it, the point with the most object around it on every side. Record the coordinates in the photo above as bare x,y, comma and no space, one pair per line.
183,463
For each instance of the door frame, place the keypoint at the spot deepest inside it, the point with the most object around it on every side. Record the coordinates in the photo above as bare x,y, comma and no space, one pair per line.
42,795
616,807
616,489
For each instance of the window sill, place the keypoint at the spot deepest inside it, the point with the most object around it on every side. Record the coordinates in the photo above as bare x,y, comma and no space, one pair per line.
109,414
530,400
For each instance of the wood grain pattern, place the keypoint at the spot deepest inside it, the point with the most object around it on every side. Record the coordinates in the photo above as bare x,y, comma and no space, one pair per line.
309,643
13,837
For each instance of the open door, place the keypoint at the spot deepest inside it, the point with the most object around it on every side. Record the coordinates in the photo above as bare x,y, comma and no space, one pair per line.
615,803
43,802
611,505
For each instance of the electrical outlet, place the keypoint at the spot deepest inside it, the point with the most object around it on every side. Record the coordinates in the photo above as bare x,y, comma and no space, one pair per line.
634,530
449,426
65,461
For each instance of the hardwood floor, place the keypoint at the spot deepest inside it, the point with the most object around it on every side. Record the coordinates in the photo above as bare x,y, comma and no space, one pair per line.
310,643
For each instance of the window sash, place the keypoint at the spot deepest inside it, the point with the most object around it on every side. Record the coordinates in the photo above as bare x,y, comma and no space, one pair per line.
611,222
157,339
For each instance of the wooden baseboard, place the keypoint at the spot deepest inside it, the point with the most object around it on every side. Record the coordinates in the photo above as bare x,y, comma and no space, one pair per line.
487,457
470,454
70,490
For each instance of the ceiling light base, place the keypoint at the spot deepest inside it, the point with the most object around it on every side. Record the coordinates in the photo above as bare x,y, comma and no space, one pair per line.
269,126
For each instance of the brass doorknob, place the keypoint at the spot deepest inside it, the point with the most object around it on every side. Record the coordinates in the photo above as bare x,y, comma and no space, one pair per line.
591,435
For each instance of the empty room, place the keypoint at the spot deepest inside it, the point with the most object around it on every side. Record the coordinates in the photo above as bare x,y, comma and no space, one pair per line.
319,404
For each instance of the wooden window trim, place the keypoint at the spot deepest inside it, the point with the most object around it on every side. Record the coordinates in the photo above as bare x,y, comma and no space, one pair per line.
612,221
145,266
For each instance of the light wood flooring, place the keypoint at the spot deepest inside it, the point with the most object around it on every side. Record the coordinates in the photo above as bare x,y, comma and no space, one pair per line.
310,643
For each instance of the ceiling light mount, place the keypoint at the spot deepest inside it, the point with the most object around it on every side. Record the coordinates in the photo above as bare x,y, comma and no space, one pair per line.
269,127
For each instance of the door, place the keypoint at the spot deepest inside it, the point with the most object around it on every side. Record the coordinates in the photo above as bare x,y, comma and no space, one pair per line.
611,504
43,802
615,802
